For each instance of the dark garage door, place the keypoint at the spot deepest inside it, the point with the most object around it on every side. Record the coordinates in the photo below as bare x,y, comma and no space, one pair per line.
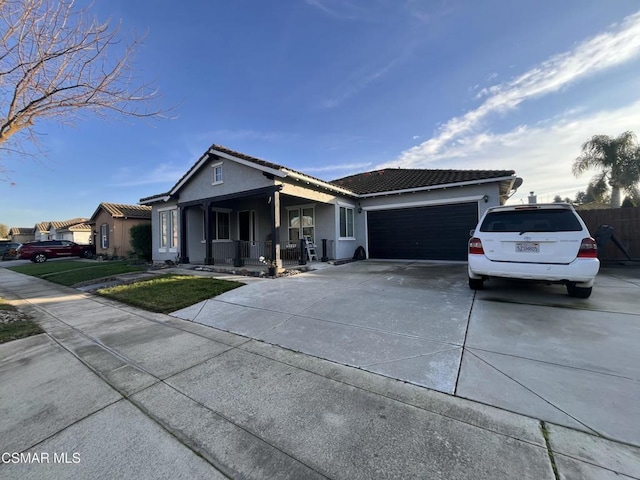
426,233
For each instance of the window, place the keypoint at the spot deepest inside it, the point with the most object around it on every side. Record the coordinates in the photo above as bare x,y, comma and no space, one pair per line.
104,236
217,173
346,222
222,226
301,223
169,229
531,220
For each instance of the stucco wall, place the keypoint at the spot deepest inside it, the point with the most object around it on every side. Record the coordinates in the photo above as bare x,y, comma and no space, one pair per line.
235,178
119,236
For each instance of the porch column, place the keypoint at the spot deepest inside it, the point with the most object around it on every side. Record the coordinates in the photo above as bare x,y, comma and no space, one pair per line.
184,254
275,227
208,220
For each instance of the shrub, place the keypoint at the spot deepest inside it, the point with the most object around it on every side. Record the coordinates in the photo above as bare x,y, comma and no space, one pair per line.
141,240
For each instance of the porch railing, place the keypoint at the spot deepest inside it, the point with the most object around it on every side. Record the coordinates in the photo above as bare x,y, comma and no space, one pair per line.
242,253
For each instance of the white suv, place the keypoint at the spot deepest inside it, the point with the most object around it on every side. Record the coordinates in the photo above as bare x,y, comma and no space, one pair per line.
543,242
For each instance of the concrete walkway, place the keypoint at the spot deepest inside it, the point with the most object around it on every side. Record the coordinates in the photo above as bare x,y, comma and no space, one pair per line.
527,348
114,392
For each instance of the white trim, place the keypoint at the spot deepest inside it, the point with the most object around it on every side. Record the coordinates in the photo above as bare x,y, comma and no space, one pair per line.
297,207
353,222
164,209
277,173
437,187
214,166
446,201
319,183
345,204
203,160
153,200
366,233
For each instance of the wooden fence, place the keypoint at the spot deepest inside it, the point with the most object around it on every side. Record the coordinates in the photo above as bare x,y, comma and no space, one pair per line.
626,227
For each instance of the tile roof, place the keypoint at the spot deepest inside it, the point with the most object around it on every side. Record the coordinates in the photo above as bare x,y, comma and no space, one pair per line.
244,156
118,210
379,181
21,231
395,179
68,223
156,197
79,227
233,153
42,226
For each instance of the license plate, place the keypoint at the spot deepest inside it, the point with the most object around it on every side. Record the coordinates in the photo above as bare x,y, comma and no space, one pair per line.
527,247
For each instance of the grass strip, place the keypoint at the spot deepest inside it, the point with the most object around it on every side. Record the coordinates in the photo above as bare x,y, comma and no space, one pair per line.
71,273
43,269
15,330
168,293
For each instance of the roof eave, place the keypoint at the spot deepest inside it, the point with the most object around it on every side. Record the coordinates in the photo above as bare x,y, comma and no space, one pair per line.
438,187
319,183
155,199
263,168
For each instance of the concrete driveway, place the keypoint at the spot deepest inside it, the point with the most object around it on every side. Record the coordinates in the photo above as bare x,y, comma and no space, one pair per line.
524,348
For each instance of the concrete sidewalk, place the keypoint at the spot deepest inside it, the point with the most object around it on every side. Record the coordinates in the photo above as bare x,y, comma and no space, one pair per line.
115,392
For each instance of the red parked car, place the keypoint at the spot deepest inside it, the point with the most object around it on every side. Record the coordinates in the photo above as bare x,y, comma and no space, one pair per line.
39,252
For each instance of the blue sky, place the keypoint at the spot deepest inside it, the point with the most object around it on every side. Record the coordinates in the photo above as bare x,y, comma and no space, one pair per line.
335,87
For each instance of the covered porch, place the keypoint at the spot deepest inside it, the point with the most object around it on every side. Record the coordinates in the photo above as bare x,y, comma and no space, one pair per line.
236,230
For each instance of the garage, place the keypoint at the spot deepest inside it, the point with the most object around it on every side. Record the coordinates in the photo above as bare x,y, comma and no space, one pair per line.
439,232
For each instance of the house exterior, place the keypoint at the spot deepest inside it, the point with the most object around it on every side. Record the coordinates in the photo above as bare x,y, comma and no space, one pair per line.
75,230
78,233
231,208
111,223
21,234
41,231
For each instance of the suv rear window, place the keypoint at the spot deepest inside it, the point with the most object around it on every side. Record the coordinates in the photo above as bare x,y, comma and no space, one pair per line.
541,220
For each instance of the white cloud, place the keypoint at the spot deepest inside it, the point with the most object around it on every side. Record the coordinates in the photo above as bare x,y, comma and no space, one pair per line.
599,53
542,154
354,85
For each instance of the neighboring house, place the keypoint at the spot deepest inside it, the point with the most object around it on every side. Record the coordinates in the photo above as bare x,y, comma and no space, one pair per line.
75,230
111,223
231,208
41,231
21,234
80,233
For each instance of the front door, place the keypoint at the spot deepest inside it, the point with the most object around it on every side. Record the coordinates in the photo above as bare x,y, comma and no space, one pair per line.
247,232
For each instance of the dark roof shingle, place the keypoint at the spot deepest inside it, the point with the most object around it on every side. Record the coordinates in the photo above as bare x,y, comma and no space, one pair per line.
394,179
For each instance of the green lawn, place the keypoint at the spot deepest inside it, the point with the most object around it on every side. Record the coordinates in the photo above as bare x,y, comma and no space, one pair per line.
167,293
72,272
18,329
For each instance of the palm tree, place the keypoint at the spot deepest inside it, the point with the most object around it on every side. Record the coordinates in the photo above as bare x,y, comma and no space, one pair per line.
618,159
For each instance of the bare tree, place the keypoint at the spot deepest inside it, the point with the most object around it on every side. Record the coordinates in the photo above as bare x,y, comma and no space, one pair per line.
56,61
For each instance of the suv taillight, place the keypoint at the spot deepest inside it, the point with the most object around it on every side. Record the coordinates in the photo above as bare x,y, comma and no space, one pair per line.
588,248
475,246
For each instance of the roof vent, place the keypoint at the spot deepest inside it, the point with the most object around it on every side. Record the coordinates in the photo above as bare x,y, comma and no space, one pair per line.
533,198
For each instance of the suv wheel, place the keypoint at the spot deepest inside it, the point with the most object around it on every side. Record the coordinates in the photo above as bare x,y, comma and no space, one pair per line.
476,283
39,258
87,254
578,292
